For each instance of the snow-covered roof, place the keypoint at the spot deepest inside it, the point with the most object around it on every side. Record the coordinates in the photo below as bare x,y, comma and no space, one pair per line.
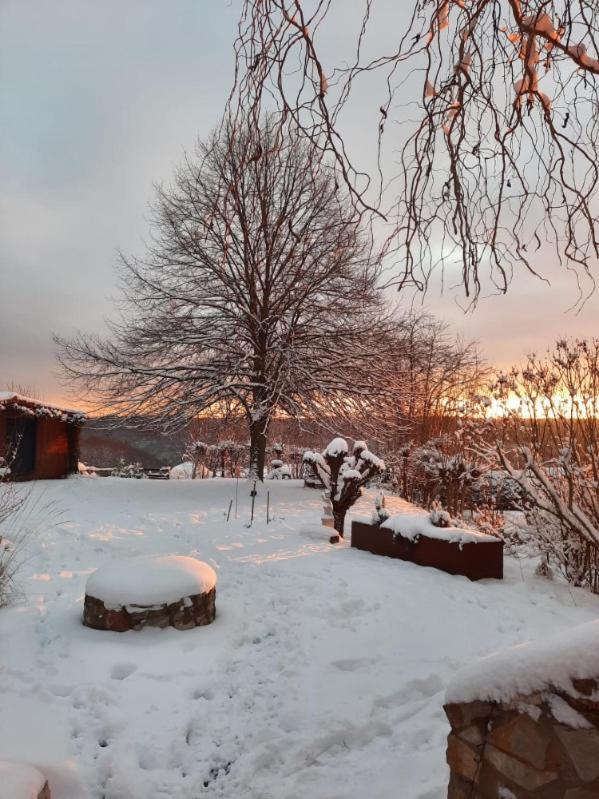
33,407
552,662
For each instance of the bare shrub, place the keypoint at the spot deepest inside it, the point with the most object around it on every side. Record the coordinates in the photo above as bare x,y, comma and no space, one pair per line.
546,438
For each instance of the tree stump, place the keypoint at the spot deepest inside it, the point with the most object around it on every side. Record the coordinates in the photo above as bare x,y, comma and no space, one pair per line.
150,591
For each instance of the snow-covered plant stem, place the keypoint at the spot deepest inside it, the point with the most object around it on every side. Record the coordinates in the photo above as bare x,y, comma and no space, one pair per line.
344,475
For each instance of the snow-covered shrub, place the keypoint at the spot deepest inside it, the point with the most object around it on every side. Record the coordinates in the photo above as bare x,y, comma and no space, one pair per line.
295,457
279,470
20,515
195,454
380,513
439,517
442,470
11,504
343,475
227,457
127,470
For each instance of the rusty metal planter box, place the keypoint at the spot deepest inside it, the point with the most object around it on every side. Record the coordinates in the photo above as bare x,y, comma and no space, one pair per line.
473,560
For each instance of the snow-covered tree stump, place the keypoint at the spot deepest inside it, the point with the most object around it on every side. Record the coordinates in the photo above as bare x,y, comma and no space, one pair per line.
150,591
22,781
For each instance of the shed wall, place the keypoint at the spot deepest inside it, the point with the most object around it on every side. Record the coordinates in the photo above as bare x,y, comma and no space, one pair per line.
56,448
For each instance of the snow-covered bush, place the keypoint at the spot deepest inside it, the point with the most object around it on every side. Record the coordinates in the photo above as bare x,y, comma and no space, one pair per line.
439,517
343,475
20,515
195,454
227,458
279,470
380,513
295,457
11,504
127,470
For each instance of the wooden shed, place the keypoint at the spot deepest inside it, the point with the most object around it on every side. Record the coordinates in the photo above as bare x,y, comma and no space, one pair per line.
39,441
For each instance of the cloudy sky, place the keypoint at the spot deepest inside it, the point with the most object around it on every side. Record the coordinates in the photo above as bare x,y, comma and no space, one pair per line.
98,101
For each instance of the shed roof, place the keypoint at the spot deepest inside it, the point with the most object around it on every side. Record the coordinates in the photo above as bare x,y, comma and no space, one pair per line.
10,400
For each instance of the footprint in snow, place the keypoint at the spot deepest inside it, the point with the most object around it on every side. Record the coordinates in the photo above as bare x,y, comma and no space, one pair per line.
352,664
120,671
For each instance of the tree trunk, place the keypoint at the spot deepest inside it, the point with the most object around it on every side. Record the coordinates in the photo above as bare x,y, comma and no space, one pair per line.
339,519
258,436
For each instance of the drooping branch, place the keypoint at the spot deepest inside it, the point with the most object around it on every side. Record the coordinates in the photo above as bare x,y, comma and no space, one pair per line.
498,166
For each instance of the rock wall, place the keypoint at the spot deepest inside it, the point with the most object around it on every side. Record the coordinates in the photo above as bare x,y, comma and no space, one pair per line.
186,613
539,746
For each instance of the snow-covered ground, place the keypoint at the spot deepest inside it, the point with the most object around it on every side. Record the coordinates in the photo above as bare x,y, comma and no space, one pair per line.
322,676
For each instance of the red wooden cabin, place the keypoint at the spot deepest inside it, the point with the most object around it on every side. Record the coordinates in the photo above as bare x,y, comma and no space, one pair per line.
37,440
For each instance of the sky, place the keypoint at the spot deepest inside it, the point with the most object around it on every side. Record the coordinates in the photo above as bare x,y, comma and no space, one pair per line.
98,102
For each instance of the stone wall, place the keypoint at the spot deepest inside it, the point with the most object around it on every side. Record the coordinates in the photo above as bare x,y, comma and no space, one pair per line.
539,746
186,613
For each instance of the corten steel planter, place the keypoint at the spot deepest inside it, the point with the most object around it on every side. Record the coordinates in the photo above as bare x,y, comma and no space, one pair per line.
473,560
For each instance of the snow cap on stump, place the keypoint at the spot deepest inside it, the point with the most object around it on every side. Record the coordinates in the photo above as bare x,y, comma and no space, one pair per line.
151,590
22,781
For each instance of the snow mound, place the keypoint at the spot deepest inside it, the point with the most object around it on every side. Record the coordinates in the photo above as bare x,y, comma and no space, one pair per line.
20,780
525,669
417,523
150,580
318,532
183,471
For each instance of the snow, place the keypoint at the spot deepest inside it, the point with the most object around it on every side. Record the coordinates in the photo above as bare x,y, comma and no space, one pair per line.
150,580
336,447
182,471
415,523
550,662
317,532
369,457
350,474
20,781
309,681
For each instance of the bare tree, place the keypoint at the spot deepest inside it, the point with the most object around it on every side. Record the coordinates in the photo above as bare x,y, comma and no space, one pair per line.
256,297
501,155
431,374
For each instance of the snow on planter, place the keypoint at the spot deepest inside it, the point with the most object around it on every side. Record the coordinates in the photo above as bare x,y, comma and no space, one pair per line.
525,722
411,536
22,781
154,591
415,524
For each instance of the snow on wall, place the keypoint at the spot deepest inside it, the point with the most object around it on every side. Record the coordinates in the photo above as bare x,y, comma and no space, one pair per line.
552,662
